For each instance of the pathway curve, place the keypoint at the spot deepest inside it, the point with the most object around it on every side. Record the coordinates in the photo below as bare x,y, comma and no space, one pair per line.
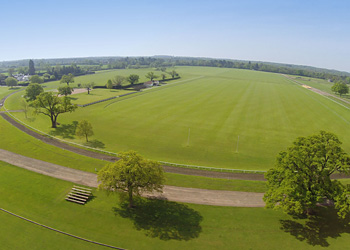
179,194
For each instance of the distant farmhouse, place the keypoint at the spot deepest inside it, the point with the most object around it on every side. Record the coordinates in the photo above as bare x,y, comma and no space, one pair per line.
22,77
151,84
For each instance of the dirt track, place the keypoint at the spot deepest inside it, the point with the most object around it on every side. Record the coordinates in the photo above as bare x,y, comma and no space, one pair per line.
179,194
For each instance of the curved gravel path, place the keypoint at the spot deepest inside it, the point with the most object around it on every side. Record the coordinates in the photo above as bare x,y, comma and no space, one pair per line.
179,194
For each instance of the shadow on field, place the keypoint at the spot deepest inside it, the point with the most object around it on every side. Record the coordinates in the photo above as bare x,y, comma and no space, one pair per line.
95,144
65,130
163,219
317,228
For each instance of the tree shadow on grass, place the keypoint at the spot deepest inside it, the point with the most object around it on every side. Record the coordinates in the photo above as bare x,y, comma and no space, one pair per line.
163,219
318,228
95,144
65,130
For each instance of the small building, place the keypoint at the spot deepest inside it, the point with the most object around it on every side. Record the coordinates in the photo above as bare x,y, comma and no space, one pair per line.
22,77
148,84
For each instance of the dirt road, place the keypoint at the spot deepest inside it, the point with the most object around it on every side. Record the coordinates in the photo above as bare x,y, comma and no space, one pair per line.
179,194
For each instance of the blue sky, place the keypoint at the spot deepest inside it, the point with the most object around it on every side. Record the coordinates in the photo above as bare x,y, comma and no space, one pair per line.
309,32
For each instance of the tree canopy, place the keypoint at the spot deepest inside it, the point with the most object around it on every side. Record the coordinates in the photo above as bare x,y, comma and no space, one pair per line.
133,79
67,79
340,88
31,69
118,80
132,174
32,91
51,105
89,86
84,129
36,79
11,82
301,177
109,84
65,90
151,76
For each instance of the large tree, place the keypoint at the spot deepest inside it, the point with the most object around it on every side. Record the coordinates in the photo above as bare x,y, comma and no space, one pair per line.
32,91
84,129
11,82
119,80
89,86
151,76
340,88
31,69
47,103
132,174
65,90
36,79
133,79
109,84
67,79
301,177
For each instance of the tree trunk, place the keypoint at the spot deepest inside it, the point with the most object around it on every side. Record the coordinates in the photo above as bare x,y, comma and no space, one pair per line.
131,203
86,138
53,122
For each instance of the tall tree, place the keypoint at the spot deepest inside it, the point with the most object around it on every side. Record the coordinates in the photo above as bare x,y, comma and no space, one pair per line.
132,174
51,105
65,90
89,86
67,79
10,71
133,79
151,76
84,129
119,80
109,84
340,88
11,82
36,79
31,69
32,91
301,177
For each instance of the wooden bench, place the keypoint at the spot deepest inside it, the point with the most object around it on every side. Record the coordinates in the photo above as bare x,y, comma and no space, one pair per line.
79,195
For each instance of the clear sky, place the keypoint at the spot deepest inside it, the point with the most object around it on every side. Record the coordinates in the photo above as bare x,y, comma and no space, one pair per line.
308,32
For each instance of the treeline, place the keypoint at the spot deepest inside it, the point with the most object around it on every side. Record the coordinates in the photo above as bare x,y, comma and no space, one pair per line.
58,67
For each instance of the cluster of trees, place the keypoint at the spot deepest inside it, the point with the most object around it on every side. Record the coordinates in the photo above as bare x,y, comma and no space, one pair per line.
59,71
119,80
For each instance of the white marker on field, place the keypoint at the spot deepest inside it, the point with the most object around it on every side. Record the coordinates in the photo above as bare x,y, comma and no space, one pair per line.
237,145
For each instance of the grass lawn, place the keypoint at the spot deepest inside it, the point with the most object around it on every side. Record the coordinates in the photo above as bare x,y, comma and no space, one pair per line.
204,117
153,225
4,91
96,95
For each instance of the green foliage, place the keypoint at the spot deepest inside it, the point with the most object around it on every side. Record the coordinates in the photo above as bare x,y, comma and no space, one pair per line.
65,90
109,84
67,79
25,107
151,76
301,178
10,71
340,88
51,105
36,79
133,79
31,69
119,80
52,77
47,76
11,82
89,86
173,74
132,174
32,91
84,129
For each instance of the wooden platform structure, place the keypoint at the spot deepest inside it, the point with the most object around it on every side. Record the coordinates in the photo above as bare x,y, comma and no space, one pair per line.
79,195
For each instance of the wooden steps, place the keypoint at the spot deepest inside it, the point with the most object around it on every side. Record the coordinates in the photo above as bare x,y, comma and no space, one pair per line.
79,195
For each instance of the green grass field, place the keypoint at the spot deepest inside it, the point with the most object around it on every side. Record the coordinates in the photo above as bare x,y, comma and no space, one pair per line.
199,119
154,225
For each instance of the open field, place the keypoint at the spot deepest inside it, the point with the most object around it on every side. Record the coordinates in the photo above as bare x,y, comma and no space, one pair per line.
154,225
16,141
202,118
